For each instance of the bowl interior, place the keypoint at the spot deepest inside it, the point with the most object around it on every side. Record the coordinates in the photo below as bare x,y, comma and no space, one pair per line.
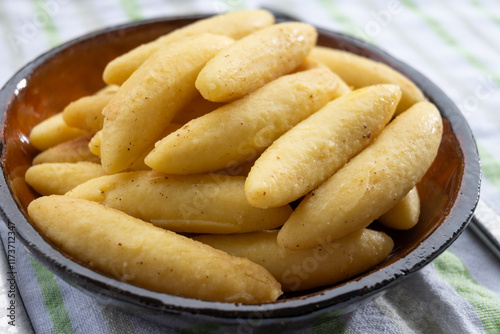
449,191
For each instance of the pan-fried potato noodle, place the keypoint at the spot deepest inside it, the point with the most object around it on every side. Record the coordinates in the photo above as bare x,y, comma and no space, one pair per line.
358,71
241,130
255,60
95,147
74,150
236,25
139,253
308,154
188,203
404,215
86,112
305,269
95,144
369,184
52,132
57,178
197,108
147,102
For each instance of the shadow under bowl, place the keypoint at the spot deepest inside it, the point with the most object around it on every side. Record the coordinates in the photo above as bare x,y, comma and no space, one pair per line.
449,191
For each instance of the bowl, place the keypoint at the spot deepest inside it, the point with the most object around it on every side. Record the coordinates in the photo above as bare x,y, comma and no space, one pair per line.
449,190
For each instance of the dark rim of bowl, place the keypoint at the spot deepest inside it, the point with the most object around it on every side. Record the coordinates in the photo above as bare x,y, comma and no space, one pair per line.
108,289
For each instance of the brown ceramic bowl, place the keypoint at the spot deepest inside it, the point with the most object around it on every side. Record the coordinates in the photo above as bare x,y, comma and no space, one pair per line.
449,191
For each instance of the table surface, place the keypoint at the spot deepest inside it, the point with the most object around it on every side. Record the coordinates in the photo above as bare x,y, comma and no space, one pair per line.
454,44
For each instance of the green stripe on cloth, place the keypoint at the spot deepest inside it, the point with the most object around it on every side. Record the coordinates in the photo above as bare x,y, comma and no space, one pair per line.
331,323
427,54
88,15
337,15
44,16
349,26
12,37
234,4
132,9
472,28
486,12
52,298
485,302
406,312
448,39
489,166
